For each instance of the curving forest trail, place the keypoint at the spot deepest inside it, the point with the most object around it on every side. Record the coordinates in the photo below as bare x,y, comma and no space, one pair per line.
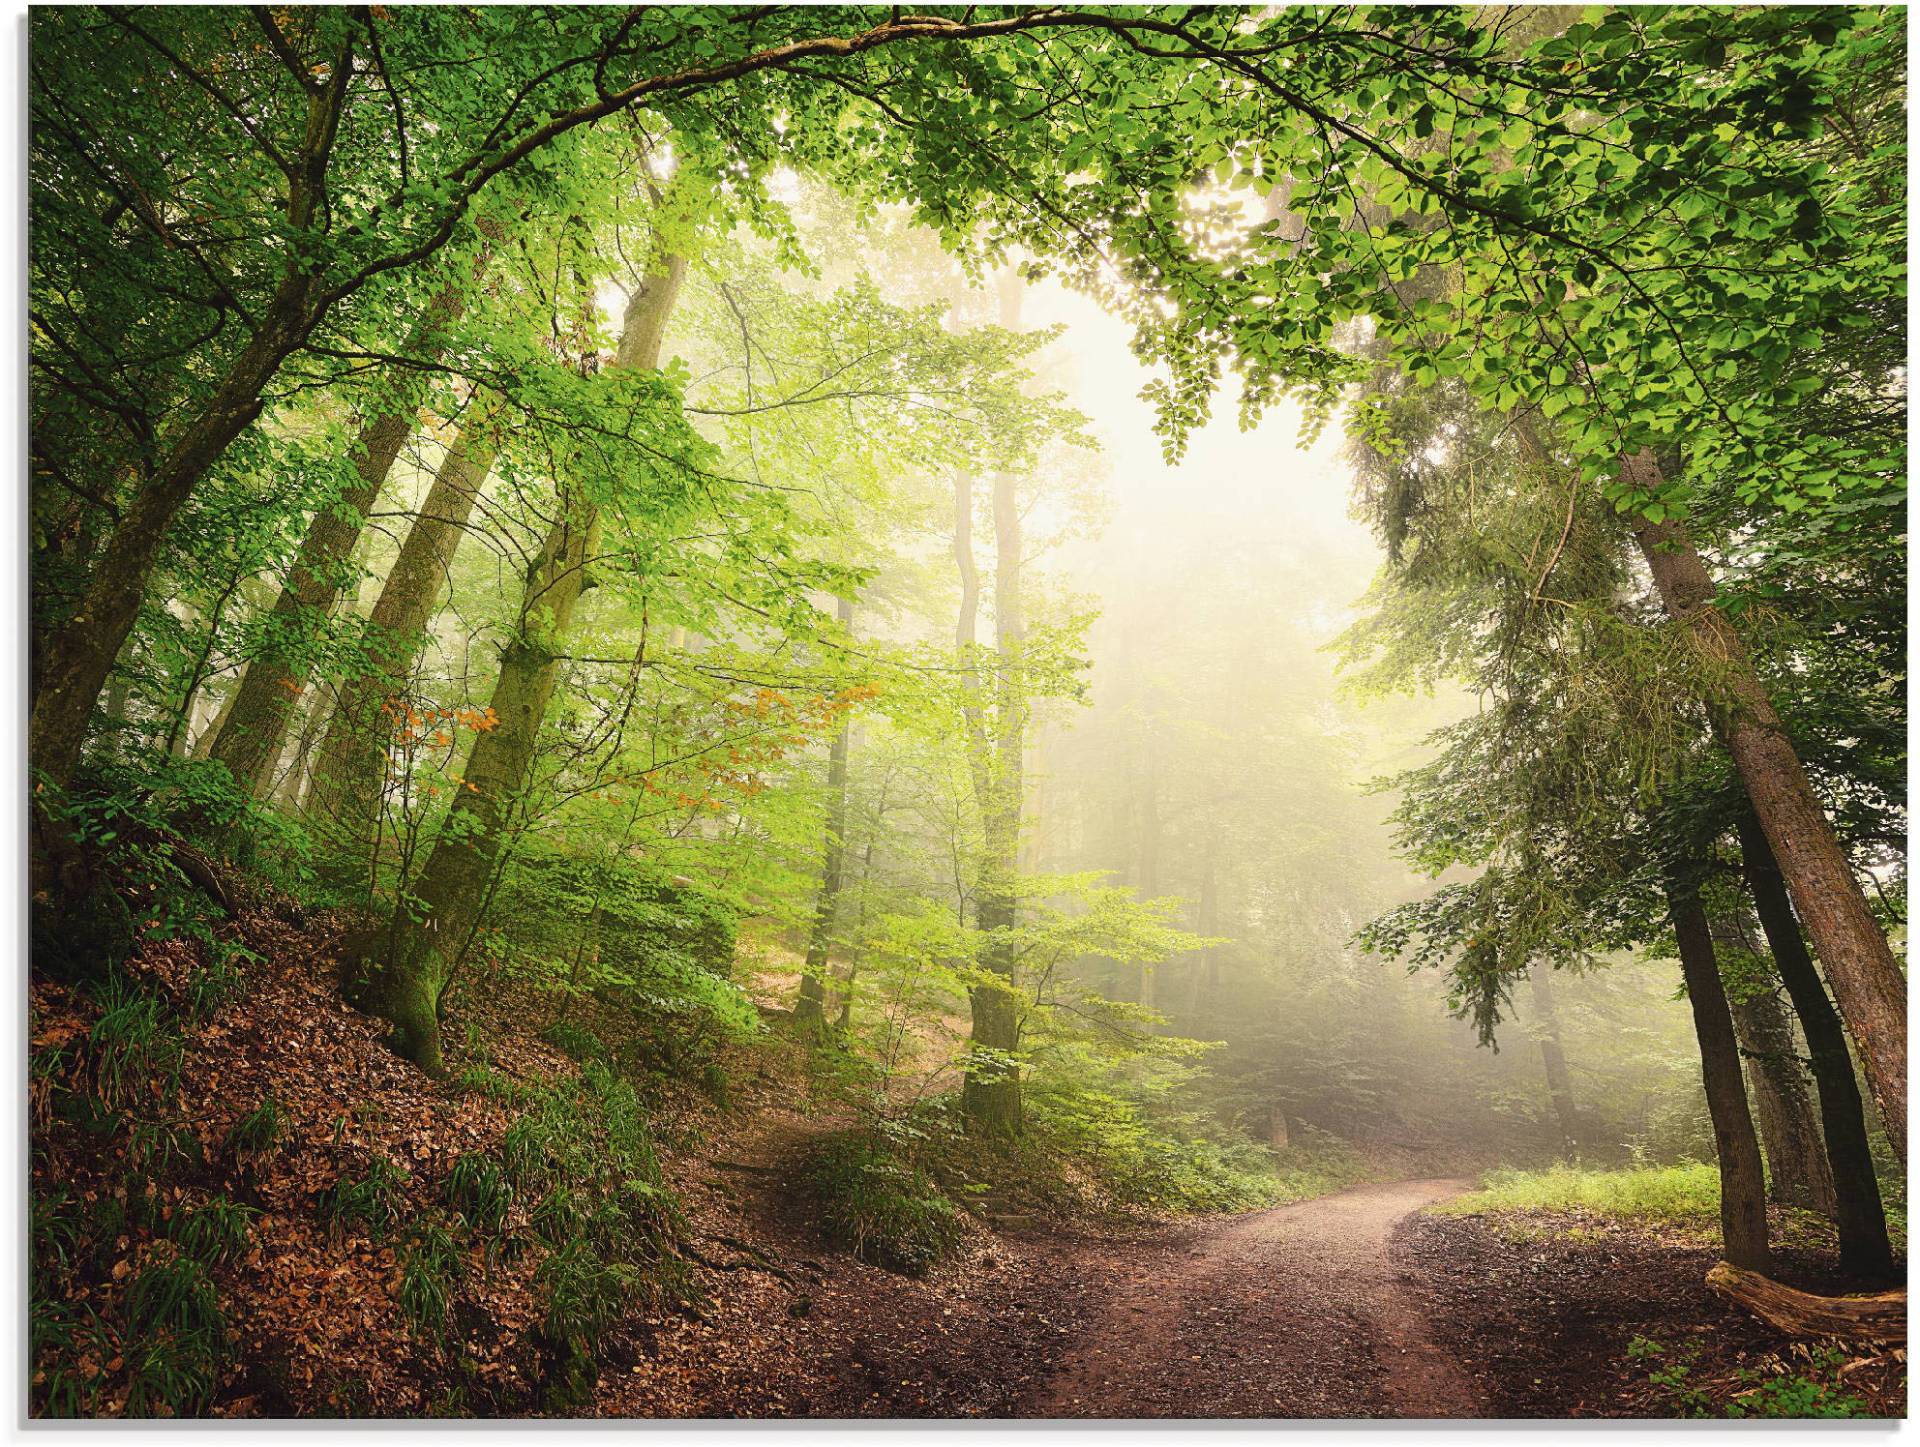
1299,1311
1291,1312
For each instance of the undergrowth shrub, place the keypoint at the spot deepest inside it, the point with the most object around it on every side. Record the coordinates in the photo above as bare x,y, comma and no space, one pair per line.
576,1042
1155,1158
880,1205
1314,1163
583,1153
1812,1387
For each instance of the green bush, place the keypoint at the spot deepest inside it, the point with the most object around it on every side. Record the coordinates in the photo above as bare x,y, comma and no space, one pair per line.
1158,1159
884,1209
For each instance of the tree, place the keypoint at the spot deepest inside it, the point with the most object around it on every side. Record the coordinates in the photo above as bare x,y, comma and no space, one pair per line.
1743,1190
433,930
810,1011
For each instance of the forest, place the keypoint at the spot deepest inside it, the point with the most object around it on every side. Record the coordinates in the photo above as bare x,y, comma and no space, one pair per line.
1002,711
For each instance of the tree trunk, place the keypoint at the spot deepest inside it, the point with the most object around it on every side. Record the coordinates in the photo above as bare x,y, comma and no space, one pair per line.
351,762
428,940
852,976
1776,1084
1743,1190
991,1094
1147,873
1553,1057
81,651
810,1010
1881,1317
278,673
1858,1213
1206,924
1867,983
204,739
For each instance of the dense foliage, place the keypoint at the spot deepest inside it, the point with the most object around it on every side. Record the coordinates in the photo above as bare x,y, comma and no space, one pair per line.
574,508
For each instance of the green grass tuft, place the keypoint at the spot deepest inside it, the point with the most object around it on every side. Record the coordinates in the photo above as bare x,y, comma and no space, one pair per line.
429,1276
136,1045
259,1130
375,1201
478,1189
214,1233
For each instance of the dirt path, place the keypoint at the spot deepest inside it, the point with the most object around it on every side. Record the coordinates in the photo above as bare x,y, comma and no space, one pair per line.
1294,1312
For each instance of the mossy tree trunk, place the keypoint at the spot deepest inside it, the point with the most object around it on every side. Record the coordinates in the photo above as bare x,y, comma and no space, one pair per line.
1797,1173
1826,894
432,931
79,654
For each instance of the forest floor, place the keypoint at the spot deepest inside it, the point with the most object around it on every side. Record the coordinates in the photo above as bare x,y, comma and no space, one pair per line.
1348,1305
1352,1304
1297,1311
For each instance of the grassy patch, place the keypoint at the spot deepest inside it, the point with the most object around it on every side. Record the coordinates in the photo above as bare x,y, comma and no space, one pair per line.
1678,1195
1683,1199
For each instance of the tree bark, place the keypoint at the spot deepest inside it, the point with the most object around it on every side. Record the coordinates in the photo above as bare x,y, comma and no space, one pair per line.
851,978
1743,1191
427,941
1797,1172
277,675
810,1010
350,765
1553,1057
1867,983
1858,1212
1881,1317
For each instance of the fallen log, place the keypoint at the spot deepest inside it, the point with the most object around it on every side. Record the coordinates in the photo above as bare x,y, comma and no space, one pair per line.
1878,1316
